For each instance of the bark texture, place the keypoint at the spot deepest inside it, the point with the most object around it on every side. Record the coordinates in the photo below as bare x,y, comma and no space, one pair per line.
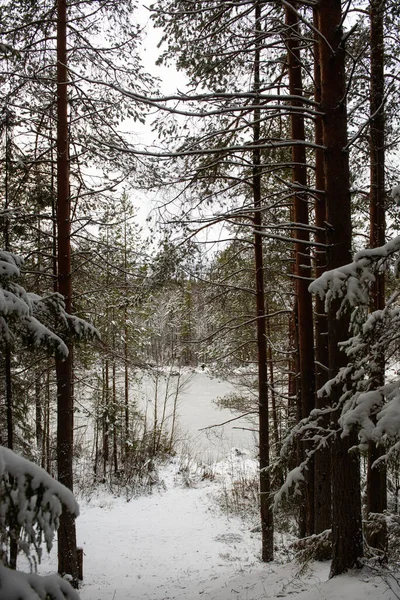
67,555
267,525
346,499
376,476
302,258
323,495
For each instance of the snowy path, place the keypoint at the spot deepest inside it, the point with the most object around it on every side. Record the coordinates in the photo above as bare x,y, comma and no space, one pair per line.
176,545
159,547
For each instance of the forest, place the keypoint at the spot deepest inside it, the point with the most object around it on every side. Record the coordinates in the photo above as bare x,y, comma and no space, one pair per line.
268,256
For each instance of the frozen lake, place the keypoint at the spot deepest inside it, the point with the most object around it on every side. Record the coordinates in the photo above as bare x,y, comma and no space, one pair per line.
197,411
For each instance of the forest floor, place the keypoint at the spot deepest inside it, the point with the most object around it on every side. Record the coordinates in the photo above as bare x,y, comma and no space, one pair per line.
179,542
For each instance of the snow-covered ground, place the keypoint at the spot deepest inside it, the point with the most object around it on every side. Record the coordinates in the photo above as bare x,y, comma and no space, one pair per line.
172,544
180,543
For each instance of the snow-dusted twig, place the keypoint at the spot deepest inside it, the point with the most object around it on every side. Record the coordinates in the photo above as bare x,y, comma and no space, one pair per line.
250,412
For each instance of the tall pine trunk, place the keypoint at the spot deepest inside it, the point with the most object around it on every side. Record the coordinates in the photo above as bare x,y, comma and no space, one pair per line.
302,258
8,381
346,498
376,476
67,554
7,350
323,496
267,525
126,348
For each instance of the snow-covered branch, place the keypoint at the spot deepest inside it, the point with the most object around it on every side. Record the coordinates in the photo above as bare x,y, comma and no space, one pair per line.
365,404
351,282
29,586
41,321
30,507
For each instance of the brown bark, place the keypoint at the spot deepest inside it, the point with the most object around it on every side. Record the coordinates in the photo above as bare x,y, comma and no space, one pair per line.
67,556
323,496
376,476
7,350
294,405
126,387
9,397
126,377
267,525
96,448
303,261
346,499
126,349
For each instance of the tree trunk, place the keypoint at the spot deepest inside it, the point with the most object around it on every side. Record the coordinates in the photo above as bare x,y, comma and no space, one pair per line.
114,411
8,383
126,383
39,413
46,460
303,261
275,420
292,372
376,476
67,556
346,499
174,413
9,397
10,443
267,525
96,444
323,495
7,350
106,418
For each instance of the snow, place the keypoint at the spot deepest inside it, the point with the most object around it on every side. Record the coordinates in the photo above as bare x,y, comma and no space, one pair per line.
294,478
396,194
351,281
170,545
20,467
16,585
179,544
182,542
31,499
42,334
34,499
27,315
197,413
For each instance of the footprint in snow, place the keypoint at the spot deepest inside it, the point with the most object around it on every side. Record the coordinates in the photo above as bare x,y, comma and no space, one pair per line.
228,538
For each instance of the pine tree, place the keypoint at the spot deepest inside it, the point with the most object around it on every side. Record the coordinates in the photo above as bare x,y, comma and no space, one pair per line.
35,322
376,475
302,251
346,496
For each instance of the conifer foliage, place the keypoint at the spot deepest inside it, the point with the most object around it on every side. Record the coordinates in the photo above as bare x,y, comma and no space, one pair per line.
30,500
